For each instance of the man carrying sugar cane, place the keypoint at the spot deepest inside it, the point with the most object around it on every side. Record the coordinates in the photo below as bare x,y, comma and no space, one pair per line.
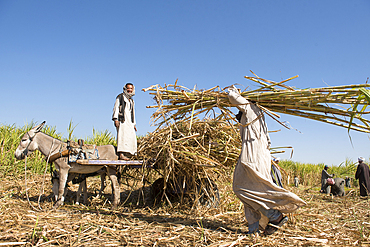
125,123
264,202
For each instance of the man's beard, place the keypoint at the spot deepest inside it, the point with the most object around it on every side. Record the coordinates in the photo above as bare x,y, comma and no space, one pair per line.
129,95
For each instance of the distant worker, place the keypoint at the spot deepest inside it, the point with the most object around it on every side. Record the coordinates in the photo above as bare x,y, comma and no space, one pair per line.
264,202
275,172
324,177
296,181
125,123
336,186
362,174
348,182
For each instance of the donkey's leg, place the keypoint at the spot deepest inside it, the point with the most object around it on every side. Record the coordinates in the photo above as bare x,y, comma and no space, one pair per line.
82,188
102,173
79,191
84,184
63,176
116,190
55,189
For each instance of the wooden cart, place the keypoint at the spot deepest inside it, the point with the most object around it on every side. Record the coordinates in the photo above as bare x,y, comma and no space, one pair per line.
130,163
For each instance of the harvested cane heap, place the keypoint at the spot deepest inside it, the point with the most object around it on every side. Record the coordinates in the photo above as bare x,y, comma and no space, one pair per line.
191,153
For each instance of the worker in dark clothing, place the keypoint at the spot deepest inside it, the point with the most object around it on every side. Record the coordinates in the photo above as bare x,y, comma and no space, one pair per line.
275,172
324,177
363,174
348,182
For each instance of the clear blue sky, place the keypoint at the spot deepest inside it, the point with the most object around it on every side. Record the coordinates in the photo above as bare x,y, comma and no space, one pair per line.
63,60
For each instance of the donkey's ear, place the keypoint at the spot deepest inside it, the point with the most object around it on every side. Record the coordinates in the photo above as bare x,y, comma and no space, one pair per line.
40,126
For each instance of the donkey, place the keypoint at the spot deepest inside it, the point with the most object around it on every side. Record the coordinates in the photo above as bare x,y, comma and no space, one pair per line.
47,145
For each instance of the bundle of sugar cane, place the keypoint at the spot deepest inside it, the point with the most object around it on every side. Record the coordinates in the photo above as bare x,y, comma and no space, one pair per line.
342,106
211,143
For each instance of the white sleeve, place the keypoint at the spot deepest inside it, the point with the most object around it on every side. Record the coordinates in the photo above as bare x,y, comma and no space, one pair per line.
236,99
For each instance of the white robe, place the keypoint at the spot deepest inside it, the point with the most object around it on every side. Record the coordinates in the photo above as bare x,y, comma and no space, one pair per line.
126,135
252,182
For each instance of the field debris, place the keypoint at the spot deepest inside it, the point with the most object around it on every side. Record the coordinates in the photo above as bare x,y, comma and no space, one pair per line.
325,221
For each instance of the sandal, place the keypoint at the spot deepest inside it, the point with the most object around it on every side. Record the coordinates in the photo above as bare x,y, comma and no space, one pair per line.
273,226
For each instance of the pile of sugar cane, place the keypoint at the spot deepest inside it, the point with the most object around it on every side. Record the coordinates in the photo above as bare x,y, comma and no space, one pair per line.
185,156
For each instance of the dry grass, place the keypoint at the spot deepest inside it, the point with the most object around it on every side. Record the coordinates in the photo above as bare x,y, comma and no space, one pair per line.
325,221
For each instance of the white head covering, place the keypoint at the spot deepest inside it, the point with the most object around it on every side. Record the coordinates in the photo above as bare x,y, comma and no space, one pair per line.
361,159
129,95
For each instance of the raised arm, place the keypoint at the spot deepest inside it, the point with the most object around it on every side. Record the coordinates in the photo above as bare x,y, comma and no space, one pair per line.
236,99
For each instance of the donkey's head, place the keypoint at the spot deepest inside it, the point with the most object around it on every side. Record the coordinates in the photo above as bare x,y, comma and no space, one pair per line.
27,143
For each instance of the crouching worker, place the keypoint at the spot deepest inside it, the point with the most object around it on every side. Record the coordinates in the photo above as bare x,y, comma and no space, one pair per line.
324,177
336,186
264,201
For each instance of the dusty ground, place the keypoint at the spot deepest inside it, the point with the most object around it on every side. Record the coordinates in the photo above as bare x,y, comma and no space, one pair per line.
325,221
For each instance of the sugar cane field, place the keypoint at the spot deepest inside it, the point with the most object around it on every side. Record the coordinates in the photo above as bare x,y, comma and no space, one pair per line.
140,220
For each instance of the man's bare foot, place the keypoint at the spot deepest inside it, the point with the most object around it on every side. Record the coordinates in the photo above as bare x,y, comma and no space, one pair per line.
122,157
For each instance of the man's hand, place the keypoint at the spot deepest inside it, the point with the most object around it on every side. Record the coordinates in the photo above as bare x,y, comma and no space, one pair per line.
235,98
116,123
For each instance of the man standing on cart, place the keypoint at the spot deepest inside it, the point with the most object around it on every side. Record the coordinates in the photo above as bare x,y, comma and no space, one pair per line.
125,123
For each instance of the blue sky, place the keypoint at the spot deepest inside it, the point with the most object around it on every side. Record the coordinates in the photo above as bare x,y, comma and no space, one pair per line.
63,60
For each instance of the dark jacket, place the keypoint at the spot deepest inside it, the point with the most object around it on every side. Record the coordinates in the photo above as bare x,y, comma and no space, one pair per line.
276,175
324,177
363,174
